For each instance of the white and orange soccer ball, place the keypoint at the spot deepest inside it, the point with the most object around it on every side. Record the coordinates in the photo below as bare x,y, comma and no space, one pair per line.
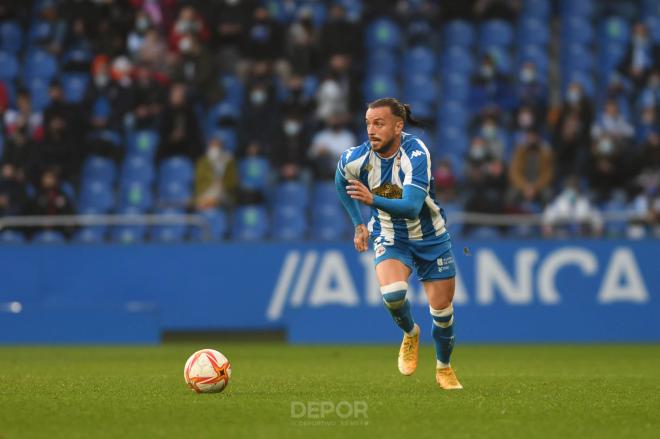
207,371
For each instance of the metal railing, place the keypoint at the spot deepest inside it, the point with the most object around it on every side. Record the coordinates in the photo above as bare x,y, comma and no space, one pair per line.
197,220
194,220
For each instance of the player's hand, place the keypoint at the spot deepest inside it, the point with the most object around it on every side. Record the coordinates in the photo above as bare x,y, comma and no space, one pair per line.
359,192
361,239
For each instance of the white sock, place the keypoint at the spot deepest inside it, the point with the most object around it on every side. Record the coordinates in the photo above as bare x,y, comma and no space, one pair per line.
441,365
413,331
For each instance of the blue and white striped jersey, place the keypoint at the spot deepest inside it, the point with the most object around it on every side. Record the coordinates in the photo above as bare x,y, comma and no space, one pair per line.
410,165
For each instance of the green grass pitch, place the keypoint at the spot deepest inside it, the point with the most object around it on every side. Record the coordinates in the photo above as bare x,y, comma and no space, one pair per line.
544,391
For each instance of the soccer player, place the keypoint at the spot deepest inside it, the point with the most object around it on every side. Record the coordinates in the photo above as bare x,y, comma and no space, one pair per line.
391,173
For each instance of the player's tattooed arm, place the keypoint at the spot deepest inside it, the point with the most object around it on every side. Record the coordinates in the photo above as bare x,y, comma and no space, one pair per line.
361,239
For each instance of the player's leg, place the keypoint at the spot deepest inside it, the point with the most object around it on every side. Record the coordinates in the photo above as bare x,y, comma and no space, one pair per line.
392,271
438,279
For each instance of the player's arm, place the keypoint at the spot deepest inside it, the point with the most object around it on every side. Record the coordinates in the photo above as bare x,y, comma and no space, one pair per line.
361,238
408,206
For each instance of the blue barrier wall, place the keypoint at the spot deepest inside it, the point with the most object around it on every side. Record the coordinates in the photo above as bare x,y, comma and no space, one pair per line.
517,291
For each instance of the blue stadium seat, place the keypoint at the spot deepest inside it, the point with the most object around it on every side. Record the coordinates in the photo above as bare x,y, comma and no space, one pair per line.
137,169
457,59
536,54
143,142
572,8
253,173
533,31
576,30
459,33
169,232
217,222
539,9
291,194
614,30
383,61
89,235
422,58
453,113
136,195
324,193
11,36
382,32
653,24
74,87
174,194
496,33
576,57
10,66
77,57
650,8
250,223
39,64
609,57
178,169
423,110
40,32
378,86
455,87
233,89
11,237
329,222
453,140
97,195
101,169
48,237
222,114
502,57
129,234
289,223
38,89
584,78
420,88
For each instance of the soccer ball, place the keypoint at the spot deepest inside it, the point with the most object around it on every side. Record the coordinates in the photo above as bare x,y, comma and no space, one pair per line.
207,371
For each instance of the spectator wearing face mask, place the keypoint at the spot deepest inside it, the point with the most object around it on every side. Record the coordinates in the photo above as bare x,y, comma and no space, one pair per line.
339,35
490,88
642,57
180,132
188,23
445,181
571,213
51,199
607,167
328,145
336,89
302,44
258,122
195,67
531,91
289,153
493,135
485,180
216,177
531,171
264,37
612,123
571,132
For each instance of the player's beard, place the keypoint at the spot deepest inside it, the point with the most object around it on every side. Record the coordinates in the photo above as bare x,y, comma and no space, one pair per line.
385,148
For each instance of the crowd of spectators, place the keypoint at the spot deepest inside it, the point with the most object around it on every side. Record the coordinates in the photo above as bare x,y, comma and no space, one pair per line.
293,72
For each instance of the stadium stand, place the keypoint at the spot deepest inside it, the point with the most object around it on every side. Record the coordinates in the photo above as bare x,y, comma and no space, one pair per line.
578,79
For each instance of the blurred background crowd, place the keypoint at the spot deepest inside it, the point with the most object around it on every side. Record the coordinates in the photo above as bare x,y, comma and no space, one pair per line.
239,110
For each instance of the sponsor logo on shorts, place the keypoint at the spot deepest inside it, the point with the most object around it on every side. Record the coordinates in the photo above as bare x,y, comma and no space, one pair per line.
379,250
445,263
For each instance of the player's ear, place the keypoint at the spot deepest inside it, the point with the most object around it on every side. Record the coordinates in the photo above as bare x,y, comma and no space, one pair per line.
398,126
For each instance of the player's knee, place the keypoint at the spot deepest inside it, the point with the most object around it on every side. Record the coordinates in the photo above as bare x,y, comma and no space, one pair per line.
442,317
394,294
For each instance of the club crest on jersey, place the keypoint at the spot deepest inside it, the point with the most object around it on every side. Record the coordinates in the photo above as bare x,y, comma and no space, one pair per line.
388,190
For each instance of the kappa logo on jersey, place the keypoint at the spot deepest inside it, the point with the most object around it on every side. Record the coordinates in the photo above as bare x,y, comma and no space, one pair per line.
417,153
